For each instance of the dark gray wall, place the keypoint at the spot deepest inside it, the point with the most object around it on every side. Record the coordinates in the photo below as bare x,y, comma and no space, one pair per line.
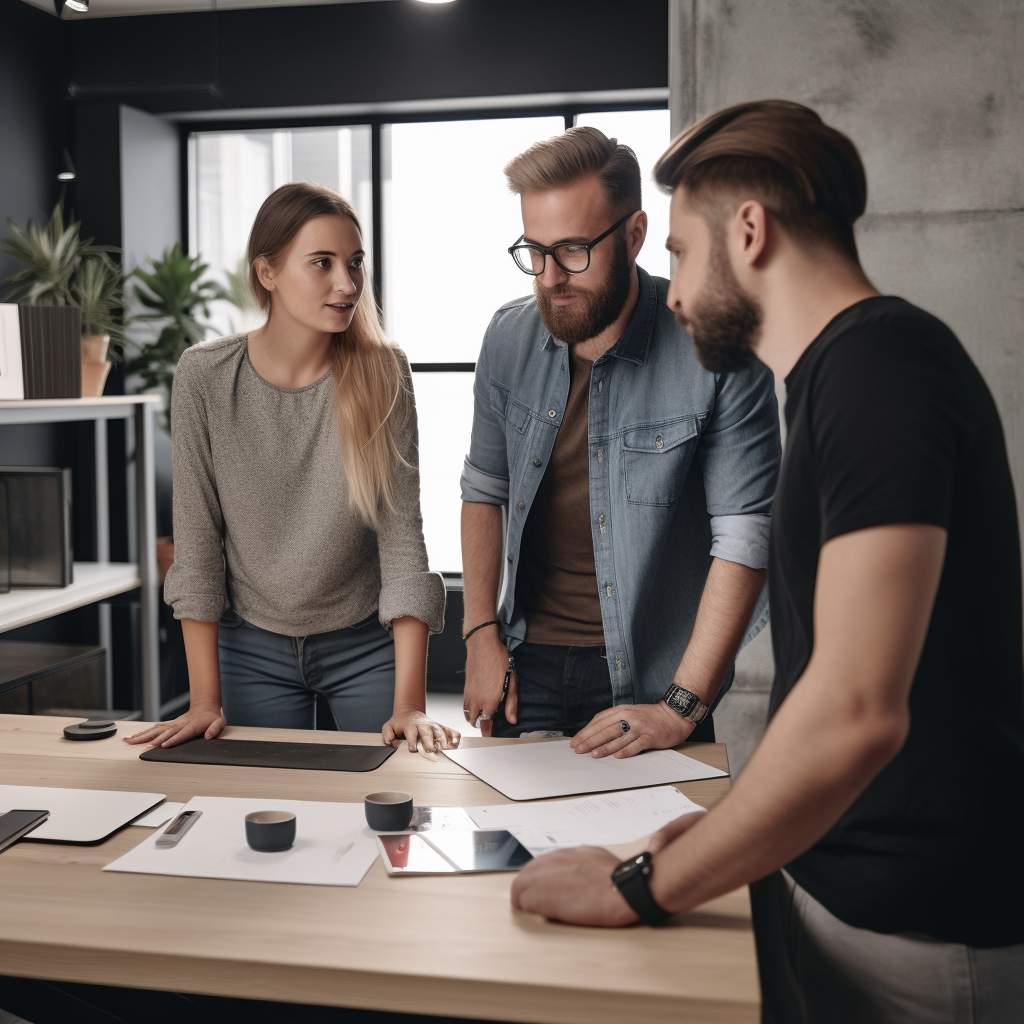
931,95
32,67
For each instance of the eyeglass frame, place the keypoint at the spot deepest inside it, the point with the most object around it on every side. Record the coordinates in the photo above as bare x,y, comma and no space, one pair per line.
549,250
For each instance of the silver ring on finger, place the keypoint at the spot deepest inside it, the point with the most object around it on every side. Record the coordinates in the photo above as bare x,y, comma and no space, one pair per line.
624,725
485,718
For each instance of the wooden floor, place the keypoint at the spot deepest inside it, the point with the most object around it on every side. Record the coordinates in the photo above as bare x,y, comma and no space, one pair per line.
446,946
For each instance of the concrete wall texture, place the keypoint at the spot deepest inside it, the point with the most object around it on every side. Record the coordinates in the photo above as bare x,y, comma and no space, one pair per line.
933,96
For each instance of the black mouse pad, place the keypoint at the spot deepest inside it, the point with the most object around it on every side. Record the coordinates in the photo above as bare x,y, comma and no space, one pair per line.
324,757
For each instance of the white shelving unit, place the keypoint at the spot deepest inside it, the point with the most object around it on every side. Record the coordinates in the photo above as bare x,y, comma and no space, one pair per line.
97,581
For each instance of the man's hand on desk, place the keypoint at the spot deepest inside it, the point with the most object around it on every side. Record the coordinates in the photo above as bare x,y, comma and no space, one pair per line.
201,720
651,727
574,886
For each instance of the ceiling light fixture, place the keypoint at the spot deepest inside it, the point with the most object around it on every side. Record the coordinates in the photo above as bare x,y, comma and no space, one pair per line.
435,1
81,6
65,168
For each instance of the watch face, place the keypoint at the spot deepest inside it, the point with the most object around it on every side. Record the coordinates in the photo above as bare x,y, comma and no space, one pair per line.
684,701
628,868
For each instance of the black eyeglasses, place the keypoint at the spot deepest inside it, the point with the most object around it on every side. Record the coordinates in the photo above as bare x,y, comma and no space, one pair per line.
572,257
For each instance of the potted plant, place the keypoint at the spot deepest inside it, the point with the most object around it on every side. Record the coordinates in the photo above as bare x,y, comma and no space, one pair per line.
175,295
61,269
98,290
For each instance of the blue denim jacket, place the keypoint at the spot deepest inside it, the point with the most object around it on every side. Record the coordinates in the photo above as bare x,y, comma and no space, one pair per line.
683,464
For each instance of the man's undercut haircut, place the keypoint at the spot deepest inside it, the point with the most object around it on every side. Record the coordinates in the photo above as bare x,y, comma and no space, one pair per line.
807,175
579,153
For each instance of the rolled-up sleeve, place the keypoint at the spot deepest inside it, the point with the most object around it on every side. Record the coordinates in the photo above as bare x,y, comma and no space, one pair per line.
407,587
195,586
485,471
740,452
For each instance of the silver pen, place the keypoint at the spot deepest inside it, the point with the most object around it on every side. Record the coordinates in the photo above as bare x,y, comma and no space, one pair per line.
177,828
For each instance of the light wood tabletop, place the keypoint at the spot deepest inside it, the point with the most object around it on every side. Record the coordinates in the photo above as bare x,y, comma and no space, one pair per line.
433,945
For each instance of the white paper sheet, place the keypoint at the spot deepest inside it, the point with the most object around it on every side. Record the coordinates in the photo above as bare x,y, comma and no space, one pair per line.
77,815
12,382
159,815
603,820
536,771
333,845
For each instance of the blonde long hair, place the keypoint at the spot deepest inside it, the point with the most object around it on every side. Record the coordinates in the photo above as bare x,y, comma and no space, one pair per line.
371,392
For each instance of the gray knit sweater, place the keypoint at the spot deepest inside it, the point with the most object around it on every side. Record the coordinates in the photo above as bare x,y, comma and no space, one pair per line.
262,521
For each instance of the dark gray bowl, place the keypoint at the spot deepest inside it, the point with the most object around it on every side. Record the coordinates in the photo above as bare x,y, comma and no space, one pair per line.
270,831
388,812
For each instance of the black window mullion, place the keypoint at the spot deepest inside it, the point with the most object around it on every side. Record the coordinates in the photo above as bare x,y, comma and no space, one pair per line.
377,203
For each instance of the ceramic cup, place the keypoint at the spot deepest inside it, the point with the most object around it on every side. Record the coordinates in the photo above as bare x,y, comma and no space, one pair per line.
270,831
388,812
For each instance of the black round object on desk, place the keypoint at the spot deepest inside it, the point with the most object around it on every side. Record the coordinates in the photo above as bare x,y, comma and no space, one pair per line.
94,729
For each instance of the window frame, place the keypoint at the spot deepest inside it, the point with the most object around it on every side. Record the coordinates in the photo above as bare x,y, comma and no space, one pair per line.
568,109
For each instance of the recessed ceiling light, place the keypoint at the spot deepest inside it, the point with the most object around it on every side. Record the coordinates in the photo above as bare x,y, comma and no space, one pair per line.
81,6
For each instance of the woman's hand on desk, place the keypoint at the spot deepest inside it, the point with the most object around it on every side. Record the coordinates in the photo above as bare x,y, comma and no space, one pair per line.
414,727
202,720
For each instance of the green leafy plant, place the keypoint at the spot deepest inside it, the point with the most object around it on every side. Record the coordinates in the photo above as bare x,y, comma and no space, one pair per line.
98,289
175,295
52,256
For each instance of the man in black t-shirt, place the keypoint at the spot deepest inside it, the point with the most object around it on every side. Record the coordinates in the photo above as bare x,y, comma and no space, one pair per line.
881,817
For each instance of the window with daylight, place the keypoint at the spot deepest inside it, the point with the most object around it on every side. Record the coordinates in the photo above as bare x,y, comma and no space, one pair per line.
438,248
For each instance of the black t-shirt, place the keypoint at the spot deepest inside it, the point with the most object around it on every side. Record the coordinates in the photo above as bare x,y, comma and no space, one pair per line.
890,422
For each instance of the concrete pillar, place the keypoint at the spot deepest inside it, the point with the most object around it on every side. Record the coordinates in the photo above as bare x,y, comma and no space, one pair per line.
933,96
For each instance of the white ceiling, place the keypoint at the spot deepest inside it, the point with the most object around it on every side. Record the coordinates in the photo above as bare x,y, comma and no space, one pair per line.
120,8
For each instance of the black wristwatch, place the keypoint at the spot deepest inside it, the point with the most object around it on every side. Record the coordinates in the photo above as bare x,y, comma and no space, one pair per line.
630,879
685,703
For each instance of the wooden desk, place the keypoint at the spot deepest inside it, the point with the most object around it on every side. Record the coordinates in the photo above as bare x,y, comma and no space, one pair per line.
446,946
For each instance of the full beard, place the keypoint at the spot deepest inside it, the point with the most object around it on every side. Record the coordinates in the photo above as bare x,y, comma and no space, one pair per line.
594,310
725,323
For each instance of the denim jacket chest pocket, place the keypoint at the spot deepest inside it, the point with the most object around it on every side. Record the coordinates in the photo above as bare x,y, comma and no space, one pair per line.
515,419
656,458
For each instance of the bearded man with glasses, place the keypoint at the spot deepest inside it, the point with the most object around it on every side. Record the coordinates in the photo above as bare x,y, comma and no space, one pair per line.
637,485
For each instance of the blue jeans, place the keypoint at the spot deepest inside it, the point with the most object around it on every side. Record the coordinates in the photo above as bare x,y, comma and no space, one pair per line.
562,688
271,680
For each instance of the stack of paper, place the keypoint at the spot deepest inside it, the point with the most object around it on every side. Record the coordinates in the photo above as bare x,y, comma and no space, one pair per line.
536,771
604,820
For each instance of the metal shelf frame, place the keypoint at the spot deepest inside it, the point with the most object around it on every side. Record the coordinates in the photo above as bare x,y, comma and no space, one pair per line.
139,409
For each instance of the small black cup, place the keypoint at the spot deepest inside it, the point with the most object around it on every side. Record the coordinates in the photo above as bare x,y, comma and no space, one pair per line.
388,812
270,831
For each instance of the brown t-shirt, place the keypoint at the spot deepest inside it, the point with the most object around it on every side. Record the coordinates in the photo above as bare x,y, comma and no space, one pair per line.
557,582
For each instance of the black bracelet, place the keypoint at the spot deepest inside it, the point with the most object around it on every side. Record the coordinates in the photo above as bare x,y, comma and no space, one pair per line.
493,622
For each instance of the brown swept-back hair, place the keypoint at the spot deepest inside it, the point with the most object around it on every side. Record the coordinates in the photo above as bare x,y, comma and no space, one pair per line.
806,174
577,153
369,382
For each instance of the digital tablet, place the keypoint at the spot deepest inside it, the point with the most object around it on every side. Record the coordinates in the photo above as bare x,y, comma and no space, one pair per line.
452,852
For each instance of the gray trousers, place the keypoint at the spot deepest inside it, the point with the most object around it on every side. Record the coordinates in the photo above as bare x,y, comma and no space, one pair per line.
815,969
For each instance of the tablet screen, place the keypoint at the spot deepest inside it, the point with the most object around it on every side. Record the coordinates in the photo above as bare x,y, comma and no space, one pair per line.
410,854
480,850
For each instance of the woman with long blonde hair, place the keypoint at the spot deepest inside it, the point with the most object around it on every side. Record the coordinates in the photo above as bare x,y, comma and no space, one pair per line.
299,562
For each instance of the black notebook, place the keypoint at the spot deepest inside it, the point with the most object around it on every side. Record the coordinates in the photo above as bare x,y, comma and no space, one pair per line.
324,757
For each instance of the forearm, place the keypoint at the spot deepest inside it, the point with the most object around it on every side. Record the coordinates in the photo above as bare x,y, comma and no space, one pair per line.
822,749
203,662
482,536
410,663
730,596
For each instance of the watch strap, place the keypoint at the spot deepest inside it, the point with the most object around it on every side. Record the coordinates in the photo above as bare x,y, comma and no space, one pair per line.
632,886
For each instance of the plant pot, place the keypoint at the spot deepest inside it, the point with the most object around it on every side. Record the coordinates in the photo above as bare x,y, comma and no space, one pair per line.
164,556
94,348
94,377
95,365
